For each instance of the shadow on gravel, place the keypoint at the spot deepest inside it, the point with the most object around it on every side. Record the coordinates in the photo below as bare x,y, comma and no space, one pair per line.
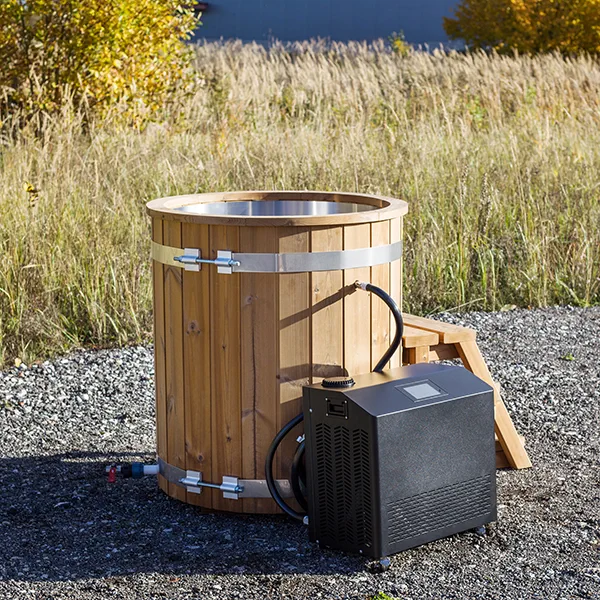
61,520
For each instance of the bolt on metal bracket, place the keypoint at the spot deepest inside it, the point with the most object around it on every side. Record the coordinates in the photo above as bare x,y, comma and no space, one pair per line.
192,260
230,487
192,481
225,262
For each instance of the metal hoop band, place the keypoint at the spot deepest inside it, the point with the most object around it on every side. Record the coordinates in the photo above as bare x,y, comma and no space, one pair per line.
295,262
231,486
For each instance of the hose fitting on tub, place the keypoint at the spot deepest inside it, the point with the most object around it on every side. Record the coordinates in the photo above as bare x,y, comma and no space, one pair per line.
135,470
391,304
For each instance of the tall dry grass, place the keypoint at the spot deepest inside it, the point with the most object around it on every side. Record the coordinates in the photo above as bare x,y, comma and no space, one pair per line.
498,157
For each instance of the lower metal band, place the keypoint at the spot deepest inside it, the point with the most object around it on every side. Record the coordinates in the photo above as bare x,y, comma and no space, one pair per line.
232,487
293,262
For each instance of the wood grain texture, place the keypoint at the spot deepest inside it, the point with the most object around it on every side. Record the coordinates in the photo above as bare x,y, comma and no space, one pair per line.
380,313
395,226
502,461
196,360
327,309
357,306
449,334
294,341
414,337
174,359
225,367
420,354
160,352
443,352
259,358
499,445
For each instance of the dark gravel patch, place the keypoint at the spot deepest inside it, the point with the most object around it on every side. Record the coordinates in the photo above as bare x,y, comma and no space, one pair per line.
66,533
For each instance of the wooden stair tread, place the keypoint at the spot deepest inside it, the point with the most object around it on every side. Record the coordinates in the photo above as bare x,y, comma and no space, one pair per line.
414,337
448,333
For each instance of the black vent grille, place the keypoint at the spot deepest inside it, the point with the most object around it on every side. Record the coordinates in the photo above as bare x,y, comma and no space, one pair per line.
444,507
344,485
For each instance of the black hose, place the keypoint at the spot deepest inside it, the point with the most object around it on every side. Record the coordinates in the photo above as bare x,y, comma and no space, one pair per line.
269,468
298,478
391,303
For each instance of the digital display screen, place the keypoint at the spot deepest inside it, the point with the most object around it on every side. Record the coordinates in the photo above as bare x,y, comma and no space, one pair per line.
421,390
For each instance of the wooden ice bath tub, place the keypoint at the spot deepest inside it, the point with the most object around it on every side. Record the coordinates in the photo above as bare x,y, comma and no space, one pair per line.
235,342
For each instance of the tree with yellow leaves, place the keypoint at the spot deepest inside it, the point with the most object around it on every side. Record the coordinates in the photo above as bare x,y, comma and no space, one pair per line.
528,26
98,51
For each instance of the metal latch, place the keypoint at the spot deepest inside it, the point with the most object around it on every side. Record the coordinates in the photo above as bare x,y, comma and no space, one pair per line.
230,487
192,260
192,481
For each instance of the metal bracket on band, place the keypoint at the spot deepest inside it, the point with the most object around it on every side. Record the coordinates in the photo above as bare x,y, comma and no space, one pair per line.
192,260
232,487
293,262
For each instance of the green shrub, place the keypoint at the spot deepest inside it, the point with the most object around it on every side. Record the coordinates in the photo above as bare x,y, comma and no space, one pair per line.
529,26
97,51
399,44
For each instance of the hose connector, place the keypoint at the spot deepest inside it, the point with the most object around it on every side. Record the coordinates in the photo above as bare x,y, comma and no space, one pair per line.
391,304
135,470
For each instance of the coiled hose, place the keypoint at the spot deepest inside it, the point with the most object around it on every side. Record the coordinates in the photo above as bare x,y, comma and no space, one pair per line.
298,473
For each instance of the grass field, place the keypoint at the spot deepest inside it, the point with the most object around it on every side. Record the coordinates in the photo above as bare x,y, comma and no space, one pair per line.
498,157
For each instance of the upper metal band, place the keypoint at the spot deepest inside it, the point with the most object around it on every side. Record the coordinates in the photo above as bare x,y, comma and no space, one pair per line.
295,262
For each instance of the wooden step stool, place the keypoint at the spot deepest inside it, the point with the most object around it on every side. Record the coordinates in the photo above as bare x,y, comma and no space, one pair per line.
425,340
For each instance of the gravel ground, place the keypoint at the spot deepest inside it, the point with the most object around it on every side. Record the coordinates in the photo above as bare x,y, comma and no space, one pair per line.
66,533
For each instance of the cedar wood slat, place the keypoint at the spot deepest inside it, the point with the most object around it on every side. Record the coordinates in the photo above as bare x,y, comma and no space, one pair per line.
395,226
225,367
357,306
294,341
380,313
196,358
159,352
259,331
174,359
327,309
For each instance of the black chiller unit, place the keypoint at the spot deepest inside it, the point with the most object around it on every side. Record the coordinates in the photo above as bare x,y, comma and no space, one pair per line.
394,459
399,459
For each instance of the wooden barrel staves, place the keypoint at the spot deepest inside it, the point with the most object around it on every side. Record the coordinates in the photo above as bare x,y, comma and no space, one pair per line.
273,308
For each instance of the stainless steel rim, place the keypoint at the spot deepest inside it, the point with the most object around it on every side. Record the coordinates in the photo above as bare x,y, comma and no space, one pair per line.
275,208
